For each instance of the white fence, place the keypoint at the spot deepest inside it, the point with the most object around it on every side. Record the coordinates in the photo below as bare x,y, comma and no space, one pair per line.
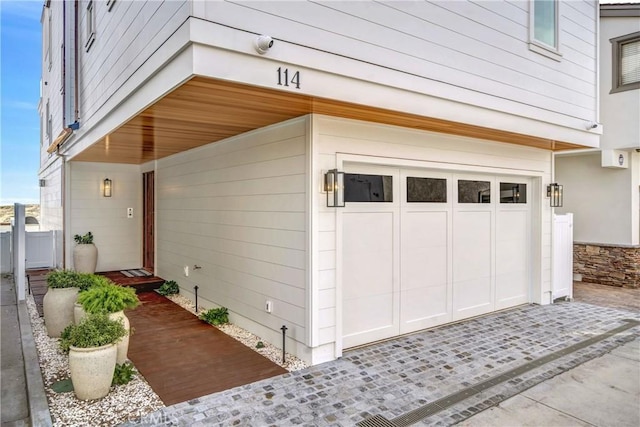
40,249
562,283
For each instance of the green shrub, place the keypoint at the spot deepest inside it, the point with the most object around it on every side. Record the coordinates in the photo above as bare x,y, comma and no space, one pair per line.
108,298
259,344
94,330
216,316
123,373
83,240
170,287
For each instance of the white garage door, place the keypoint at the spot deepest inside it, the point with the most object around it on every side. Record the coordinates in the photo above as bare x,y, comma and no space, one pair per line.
422,248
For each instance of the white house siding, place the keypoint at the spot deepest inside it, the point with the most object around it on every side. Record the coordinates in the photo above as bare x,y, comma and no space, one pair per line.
117,237
51,206
604,201
471,52
126,37
619,112
338,138
237,209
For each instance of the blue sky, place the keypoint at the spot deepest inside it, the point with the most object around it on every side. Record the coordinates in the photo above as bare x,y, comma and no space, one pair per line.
20,44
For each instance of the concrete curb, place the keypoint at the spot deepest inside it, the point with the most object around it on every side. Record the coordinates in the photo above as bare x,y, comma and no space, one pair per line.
38,405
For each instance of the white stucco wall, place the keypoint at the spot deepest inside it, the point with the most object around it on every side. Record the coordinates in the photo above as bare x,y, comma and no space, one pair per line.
604,201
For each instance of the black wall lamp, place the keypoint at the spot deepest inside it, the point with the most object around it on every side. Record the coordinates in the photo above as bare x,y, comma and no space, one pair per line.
106,188
555,194
334,186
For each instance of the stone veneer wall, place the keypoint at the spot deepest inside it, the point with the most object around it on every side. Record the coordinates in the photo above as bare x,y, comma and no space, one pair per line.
607,265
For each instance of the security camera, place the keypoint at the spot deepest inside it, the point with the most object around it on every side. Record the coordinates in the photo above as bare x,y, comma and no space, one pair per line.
263,44
591,125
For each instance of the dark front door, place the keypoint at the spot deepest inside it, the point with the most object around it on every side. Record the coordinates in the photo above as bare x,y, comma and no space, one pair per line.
148,211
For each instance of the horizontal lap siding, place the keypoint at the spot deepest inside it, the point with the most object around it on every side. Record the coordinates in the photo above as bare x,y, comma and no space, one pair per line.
136,30
238,209
478,46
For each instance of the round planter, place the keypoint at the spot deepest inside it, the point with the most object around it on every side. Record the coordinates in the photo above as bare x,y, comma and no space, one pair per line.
123,344
78,313
92,370
58,309
85,258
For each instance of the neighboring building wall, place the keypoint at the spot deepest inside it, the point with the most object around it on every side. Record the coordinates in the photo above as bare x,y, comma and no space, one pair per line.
117,237
52,206
601,199
619,111
237,209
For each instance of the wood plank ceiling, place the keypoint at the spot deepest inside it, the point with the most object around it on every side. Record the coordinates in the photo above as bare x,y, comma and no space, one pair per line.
203,110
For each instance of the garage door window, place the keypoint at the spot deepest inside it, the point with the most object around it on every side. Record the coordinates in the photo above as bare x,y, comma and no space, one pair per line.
474,191
511,192
368,188
426,190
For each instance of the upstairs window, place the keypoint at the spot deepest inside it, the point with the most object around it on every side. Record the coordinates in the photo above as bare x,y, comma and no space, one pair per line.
90,25
544,27
626,62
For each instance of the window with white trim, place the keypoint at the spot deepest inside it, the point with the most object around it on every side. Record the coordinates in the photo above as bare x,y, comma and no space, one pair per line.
90,25
626,62
49,126
49,37
544,27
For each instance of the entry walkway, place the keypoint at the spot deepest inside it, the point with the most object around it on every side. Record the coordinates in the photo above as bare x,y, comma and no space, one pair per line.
391,379
182,357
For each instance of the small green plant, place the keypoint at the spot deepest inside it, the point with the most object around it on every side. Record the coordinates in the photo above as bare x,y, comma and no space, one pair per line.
260,344
93,331
170,287
72,279
123,373
216,316
108,298
84,240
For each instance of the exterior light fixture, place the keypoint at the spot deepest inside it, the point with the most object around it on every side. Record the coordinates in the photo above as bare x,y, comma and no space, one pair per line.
555,194
106,189
334,186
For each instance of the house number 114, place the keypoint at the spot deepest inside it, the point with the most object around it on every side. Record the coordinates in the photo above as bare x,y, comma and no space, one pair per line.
285,78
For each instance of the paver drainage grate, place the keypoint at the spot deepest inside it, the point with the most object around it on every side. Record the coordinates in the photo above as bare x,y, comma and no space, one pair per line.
454,398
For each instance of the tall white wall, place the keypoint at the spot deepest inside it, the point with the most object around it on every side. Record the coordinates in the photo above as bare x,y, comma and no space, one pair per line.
619,112
117,237
237,209
604,201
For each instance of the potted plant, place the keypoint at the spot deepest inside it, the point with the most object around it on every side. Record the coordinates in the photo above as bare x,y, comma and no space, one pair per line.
85,253
111,299
63,288
92,354
88,281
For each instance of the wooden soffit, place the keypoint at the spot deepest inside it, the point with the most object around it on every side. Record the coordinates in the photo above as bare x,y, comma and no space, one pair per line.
203,110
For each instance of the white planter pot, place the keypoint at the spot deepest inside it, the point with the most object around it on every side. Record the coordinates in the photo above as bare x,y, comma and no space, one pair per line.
123,344
58,309
78,313
92,370
85,258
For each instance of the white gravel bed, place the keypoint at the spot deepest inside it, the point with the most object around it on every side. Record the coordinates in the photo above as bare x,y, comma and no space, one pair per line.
123,403
269,351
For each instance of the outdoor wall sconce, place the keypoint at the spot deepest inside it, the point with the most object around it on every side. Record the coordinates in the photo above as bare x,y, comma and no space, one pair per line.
334,186
106,189
555,194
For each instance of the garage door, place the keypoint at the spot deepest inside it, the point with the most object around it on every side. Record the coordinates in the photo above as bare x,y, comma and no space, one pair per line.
422,248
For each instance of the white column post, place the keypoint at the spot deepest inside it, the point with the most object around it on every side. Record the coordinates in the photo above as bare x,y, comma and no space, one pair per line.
19,252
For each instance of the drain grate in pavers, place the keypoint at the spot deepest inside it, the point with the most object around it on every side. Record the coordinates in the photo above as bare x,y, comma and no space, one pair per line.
446,402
